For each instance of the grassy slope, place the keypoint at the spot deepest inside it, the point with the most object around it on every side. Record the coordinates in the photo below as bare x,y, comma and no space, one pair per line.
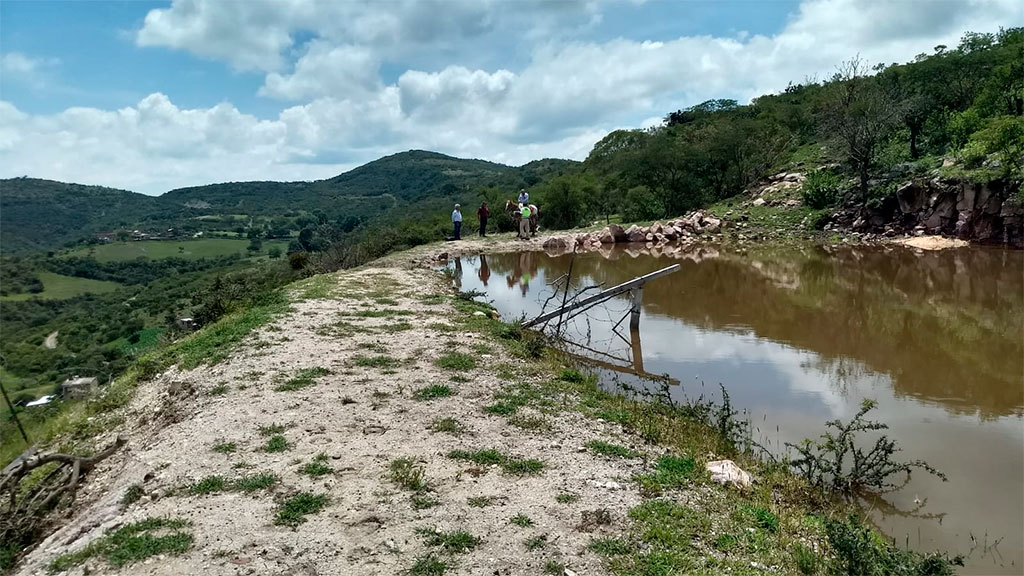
56,287
156,249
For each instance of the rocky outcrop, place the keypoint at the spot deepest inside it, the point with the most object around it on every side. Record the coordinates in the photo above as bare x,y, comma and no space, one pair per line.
989,212
681,231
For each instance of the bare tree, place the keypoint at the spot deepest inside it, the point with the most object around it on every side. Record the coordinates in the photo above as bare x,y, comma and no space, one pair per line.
857,114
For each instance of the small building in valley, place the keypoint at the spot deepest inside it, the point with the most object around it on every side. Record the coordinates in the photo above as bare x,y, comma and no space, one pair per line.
78,387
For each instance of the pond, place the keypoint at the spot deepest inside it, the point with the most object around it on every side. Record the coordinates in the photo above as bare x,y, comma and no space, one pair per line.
799,336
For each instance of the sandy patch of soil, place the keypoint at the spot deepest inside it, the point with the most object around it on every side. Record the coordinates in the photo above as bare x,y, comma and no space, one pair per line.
932,242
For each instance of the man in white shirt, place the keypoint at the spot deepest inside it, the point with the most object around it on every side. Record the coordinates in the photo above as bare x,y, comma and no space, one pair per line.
524,196
457,221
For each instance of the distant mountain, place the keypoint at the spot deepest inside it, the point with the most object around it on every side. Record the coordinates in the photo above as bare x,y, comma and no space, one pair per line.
43,214
40,214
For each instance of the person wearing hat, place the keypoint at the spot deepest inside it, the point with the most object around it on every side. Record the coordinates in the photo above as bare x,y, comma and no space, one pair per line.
457,221
524,196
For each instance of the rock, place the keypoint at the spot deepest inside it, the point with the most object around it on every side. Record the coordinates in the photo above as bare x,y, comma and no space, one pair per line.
555,244
791,203
606,237
442,256
479,313
711,224
727,472
617,233
759,202
911,197
948,161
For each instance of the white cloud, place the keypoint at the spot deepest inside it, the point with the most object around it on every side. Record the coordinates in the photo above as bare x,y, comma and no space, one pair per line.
376,78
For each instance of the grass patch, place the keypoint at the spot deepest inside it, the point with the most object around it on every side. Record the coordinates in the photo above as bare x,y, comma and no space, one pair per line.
318,467
215,484
132,495
457,361
608,449
385,313
208,485
276,443
670,472
433,392
398,327
219,390
488,457
454,542
423,501
609,547
294,510
536,542
305,377
448,426
554,568
131,544
272,429
408,475
379,361
428,565
567,498
255,482
535,424
521,520
479,501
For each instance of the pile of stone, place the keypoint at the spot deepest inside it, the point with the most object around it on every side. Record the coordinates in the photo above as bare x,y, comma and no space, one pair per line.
682,230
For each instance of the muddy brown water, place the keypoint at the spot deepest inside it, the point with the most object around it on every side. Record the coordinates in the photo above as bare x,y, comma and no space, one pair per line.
801,336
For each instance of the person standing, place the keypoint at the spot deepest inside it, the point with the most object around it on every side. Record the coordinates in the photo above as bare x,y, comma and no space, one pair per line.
524,196
524,221
483,214
457,221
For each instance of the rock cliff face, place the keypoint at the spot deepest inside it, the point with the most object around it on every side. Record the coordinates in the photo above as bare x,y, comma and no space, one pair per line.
990,212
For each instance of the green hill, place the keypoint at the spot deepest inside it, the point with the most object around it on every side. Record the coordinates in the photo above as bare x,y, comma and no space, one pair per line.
44,214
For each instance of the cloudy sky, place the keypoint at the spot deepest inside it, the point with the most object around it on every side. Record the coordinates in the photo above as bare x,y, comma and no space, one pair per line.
151,96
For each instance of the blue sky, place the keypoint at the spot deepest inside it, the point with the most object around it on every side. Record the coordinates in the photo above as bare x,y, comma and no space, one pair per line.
150,96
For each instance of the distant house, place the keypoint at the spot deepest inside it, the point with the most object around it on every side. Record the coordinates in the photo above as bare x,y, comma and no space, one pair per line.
78,387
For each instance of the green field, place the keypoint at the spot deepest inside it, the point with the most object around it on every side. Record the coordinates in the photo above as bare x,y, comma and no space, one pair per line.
56,287
157,249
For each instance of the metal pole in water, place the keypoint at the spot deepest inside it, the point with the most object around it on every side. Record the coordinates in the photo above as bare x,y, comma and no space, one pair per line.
637,296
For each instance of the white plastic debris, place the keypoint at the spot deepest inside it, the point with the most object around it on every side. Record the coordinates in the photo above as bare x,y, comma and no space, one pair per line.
727,472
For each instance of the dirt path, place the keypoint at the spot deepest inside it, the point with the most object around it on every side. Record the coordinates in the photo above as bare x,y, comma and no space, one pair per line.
370,342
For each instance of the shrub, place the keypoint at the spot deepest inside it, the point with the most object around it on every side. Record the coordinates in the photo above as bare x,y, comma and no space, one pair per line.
860,551
821,189
642,204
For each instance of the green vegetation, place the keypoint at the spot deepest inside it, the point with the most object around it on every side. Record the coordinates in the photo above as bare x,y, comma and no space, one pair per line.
293,511
454,542
433,392
131,544
428,565
226,447
216,484
448,426
479,501
608,449
318,467
381,361
457,361
276,443
521,520
567,498
488,457
305,377
158,250
408,475
132,495
57,287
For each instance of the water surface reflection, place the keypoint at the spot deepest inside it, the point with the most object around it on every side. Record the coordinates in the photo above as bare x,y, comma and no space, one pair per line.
800,336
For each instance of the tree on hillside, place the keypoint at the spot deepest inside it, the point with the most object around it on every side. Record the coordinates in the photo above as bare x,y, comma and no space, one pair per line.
856,115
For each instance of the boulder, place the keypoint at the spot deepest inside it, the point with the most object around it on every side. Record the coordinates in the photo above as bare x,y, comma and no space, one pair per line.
649,237
605,237
711,224
635,234
555,244
617,233
912,198
965,198
759,202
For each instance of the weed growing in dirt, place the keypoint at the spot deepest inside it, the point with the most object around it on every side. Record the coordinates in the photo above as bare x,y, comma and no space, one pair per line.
318,467
423,501
433,392
294,510
131,543
428,565
208,485
408,475
225,447
382,313
219,390
536,542
457,361
381,361
448,426
489,457
454,542
609,547
479,501
554,568
670,472
255,482
608,449
276,443
521,520
272,429
807,560
535,424
398,327
460,379
305,377
132,495
567,498
372,347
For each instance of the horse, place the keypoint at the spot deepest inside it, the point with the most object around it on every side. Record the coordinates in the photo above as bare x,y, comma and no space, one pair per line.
512,207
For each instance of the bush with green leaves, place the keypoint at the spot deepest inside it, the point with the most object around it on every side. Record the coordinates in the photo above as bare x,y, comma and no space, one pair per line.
861,551
838,463
821,189
642,203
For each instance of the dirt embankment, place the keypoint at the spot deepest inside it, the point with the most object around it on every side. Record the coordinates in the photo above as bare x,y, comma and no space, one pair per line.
372,344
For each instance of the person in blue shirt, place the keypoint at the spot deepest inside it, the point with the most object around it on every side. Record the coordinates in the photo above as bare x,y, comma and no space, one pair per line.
524,196
457,221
